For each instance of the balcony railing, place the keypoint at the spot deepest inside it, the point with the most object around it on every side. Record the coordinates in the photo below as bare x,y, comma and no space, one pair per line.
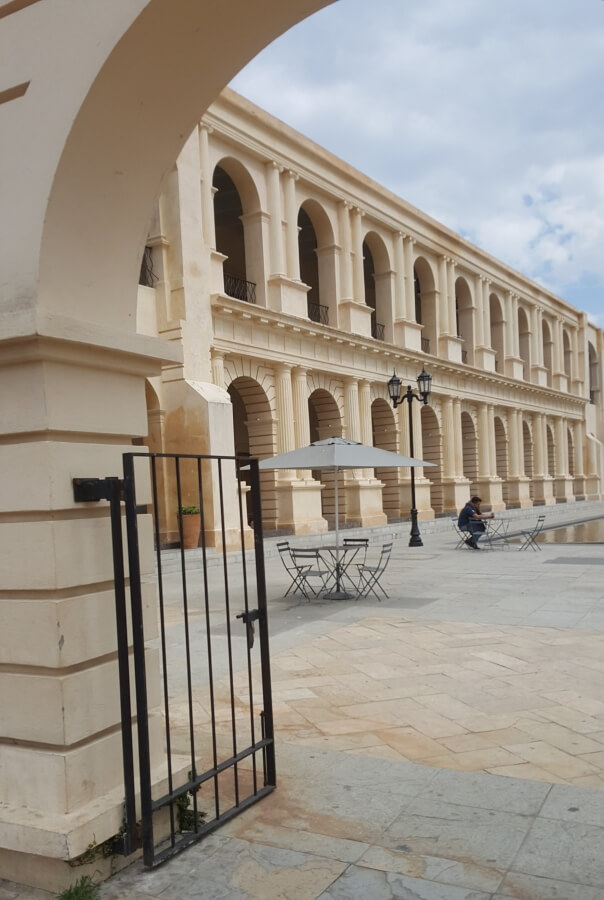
425,345
377,330
318,313
239,288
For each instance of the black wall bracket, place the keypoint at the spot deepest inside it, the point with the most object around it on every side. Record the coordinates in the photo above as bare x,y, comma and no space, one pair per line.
90,490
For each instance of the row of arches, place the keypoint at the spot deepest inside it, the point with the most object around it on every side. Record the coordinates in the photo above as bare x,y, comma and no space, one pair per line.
509,330
255,428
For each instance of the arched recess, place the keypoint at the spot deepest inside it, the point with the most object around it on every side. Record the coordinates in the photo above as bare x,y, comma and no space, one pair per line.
524,340
425,304
570,443
548,350
567,354
464,311
501,457
325,421
237,230
112,155
551,451
497,331
432,452
470,450
384,436
527,449
316,250
594,374
254,433
378,286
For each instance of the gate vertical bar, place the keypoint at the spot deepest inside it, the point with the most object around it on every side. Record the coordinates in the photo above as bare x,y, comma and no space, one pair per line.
121,619
271,772
140,675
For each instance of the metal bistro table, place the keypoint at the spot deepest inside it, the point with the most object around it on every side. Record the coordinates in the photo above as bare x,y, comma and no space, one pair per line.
338,558
497,532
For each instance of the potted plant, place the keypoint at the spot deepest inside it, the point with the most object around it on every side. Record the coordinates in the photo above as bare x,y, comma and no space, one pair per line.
191,526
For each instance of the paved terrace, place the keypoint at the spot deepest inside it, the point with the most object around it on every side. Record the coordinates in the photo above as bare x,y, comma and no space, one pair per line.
445,744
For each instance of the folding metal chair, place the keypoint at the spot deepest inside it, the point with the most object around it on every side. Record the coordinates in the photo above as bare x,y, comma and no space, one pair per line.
360,545
369,576
530,536
311,565
462,536
291,568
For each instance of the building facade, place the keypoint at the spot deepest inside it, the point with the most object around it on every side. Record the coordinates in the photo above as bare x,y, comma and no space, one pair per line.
296,286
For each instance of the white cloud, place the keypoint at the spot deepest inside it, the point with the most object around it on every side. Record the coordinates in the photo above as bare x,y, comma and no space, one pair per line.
488,116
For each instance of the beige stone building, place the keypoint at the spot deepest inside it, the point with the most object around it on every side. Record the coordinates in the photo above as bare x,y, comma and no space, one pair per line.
296,286
96,102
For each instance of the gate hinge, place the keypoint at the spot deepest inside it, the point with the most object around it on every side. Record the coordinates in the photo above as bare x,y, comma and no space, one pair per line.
89,490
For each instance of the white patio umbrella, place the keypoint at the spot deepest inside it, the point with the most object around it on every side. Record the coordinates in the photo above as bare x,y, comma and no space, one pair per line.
338,453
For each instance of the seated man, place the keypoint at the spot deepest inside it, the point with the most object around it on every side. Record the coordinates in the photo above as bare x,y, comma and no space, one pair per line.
470,520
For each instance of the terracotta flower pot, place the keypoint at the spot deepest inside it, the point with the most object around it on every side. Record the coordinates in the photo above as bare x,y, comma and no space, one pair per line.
191,530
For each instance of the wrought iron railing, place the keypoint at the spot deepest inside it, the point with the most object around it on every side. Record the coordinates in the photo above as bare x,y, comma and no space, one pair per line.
425,345
377,330
239,288
318,313
147,276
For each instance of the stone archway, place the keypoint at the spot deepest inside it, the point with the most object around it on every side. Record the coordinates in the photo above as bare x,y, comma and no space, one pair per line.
432,453
80,167
254,433
325,421
384,436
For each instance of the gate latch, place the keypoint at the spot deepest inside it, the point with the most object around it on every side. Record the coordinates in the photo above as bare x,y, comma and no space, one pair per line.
90,490
249,619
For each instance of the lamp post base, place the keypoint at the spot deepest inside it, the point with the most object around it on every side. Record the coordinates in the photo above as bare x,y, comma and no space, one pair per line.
415,538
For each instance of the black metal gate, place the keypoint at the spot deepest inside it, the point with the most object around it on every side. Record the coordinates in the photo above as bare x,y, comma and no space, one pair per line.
186,623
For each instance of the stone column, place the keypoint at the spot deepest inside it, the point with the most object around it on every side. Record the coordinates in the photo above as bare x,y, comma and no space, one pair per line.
514,325
514,438
401,288
366,428
346,292
218,368
537,335
492,443
300,400
291,226
486,310
273,171
458,437
444,296
207,192
540,444
478,312
409,277
358,277
451,266
351,408
286,439
483,443
449,467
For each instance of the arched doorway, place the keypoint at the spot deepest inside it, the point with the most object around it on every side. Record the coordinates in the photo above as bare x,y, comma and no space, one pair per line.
235,199
551,453
501,457
325,421
497,332
378,286
524,338
432,453
470,450
384,437
254,430
425,304
464,312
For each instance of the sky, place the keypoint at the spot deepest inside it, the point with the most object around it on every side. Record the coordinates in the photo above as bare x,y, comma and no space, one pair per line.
486,114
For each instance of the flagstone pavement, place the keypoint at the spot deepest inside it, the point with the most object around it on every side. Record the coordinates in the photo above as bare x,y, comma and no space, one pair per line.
444,744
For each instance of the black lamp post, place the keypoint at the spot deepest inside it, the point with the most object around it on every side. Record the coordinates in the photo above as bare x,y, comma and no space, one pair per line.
424,382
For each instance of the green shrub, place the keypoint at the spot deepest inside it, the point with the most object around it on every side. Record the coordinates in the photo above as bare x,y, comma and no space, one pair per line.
189,510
